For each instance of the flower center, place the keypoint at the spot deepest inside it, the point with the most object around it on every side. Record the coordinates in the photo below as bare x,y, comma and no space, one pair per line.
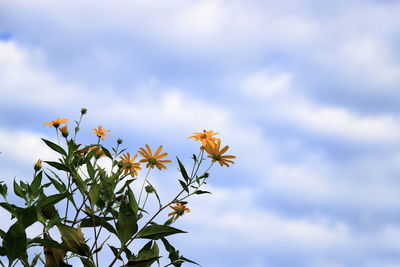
203,136
180,212
216,157
152,161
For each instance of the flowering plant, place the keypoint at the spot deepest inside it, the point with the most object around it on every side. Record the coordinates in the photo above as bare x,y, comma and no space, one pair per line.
76,193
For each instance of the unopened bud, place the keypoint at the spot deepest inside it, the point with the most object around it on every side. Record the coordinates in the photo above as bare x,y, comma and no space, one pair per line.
120,164
38,165
64,131
119,141
149,189
83,111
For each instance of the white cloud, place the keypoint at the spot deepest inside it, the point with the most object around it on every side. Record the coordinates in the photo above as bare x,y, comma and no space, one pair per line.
281,100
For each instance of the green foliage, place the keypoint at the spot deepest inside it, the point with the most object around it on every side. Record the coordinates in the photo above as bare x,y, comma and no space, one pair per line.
75,192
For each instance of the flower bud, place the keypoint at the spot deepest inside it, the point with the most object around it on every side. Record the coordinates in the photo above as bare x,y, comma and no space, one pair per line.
64,131
38,165
120,164
149,189
119,141
83,111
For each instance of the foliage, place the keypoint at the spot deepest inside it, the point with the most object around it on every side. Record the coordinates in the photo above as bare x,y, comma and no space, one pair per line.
76,192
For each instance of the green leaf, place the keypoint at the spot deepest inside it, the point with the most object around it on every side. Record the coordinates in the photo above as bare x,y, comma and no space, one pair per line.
27,216
199,192
90,169
88,222
18,191
94,194
3,189
146,256
127,183
157,231
74,238
87,262
106,152
59,186
127,222
15,241
35,260
132,201
55,147
115,251
58,166
35,185
49,243
183,170
79,183
187,260
184,186
10,208
51,200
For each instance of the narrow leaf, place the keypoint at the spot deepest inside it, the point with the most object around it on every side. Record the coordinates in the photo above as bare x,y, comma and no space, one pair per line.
55,147
183,170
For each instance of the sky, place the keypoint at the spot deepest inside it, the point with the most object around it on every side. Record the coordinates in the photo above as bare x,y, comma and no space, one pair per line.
304,92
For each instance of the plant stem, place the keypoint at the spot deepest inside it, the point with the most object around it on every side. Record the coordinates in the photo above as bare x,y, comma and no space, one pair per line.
144,182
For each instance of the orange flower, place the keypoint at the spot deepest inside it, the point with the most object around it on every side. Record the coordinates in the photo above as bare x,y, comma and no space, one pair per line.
56,122
153,160
128,164
99,153
213,149
100,132
204,137
179,210
84,151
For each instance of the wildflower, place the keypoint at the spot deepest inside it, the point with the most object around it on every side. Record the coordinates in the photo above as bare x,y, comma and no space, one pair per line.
99,152
56,122
153,160
213,149
84,151
204,137
179,210
38,165
128,165
100,132
64,131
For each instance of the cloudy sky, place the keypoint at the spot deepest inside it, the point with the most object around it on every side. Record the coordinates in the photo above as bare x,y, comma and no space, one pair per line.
305,92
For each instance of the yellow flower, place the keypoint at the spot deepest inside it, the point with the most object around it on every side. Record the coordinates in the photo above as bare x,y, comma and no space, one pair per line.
38,165
213,149
56,122
64,131
153,160
99,153
128,164
179,210
84,151
205,137
100,132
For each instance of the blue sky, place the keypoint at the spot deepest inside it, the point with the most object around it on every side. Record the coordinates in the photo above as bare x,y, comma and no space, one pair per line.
305,93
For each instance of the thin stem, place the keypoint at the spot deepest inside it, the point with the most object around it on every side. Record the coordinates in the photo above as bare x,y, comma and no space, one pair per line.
79,210
79,123
69,187
58,137
144,182
194,165
114,158
144,204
